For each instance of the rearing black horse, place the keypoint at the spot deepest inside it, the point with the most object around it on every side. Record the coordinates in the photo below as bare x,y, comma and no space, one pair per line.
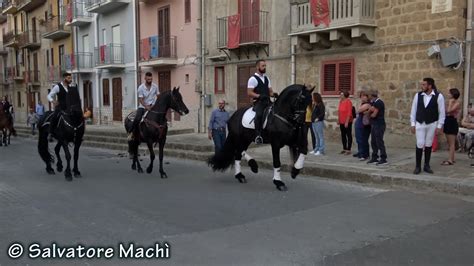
154,128
70,129
285,126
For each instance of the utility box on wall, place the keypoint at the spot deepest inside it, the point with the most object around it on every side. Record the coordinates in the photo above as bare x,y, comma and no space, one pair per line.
450,55
207,100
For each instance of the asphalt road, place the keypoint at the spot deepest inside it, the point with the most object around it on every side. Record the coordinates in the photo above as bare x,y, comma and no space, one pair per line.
210,219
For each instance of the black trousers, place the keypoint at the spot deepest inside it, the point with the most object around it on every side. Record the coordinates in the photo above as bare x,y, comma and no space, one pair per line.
138,118
377,142
346,136
259,108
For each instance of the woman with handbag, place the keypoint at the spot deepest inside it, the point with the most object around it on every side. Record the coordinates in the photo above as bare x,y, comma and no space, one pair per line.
362,127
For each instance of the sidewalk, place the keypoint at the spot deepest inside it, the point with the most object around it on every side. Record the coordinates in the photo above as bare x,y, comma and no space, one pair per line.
458,178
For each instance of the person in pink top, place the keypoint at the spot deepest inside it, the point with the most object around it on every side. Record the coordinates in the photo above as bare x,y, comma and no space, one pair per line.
451,126
345,122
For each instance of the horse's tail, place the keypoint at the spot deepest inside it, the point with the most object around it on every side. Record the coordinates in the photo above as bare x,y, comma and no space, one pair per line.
43,148
224,158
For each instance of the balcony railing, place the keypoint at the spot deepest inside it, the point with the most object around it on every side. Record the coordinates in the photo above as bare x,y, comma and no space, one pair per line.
110,54
29,5
343,13
105,6
10,39
56,28
156,47
32,76
9,7
253,29
29,39
77,14
77,62
53,73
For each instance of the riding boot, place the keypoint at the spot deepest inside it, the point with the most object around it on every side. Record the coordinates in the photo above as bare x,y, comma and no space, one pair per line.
419,155
427,167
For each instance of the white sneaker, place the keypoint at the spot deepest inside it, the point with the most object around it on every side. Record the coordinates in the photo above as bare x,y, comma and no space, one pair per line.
318,154
311,152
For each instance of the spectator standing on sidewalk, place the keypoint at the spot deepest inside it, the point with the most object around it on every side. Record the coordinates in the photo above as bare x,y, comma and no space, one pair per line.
377,123
317,117
32,120
362,127
39,109
345,122
427,119
451,126
218,125
309,126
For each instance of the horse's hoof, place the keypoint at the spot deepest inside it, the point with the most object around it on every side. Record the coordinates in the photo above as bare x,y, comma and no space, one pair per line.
164,175
68,178
253,165
280,185
294,172
149,170
140,170
134,167
50,171
77,174
241,178
59,169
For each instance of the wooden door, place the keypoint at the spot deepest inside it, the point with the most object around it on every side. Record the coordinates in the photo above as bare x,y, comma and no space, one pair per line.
117,98
243,75
33,30
164,84
87,92
35,74
164,49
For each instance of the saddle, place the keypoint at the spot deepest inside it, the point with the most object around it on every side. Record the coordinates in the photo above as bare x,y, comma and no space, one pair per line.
249,117
148,123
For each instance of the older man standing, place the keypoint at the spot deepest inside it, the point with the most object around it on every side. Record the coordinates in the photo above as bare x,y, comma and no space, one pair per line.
427,119
217,126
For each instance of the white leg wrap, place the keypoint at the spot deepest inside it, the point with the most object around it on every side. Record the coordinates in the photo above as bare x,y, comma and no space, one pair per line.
276,174
300,162
247,156
237,167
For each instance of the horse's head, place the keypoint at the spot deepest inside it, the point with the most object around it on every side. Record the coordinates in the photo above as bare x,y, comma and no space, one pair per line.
299,103
177,103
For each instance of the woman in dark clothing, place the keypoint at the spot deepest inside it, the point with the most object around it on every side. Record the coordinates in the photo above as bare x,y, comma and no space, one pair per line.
317,117
362,127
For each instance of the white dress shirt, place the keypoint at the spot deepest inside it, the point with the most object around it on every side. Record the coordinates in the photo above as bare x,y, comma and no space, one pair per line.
253,83
426,100
148,95
55,91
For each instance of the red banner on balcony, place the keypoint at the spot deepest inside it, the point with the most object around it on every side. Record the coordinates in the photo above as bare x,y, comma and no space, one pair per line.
69,13
233,31
320,12
102,53
145,49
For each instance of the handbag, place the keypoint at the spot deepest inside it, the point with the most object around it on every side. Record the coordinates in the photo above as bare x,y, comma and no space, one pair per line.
366,119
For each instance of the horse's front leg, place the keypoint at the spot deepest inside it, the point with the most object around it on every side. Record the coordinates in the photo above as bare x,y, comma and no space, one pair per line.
277,168
160,157
295,170
59,163
237,167
67,172
75,170
149,169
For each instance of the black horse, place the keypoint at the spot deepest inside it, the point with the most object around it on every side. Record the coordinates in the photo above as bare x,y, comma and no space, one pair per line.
70,129
6,126
285,126
154,128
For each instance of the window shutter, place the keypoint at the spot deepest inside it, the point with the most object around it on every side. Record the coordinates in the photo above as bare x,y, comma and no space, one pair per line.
345,76
329,76
187,11
337,76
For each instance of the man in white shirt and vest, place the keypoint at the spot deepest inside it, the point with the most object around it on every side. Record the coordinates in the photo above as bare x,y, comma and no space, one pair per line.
260,89
147,94
427,119
67,96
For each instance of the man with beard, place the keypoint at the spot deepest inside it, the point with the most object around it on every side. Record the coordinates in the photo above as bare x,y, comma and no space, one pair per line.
260,89
147,95
427,119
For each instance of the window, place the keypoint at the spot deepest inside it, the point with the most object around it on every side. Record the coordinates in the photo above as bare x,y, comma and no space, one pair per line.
61,54
52,56
106,92
337,76
47,58
186,78
219,82
187,11
104,36
18,98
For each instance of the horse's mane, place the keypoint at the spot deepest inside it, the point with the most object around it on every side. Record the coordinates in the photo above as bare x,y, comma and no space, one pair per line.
288,91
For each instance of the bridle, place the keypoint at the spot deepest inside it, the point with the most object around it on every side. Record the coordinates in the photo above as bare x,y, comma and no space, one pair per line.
293,120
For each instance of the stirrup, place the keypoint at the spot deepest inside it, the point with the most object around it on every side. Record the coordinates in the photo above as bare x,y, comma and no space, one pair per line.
130,136
259,140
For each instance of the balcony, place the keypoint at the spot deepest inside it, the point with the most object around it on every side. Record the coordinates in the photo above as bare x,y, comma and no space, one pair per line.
32,77
109,56
158,51
9,7
105,6
53,74
18,74
76,13
56,29
348,19
29,39
3,51
10,39
3,18
29,5
78,63
253,28
9,74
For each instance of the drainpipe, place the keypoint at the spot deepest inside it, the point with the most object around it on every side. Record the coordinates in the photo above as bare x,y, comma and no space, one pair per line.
136,45
293,63
467,70
97,71
203,68
199,71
